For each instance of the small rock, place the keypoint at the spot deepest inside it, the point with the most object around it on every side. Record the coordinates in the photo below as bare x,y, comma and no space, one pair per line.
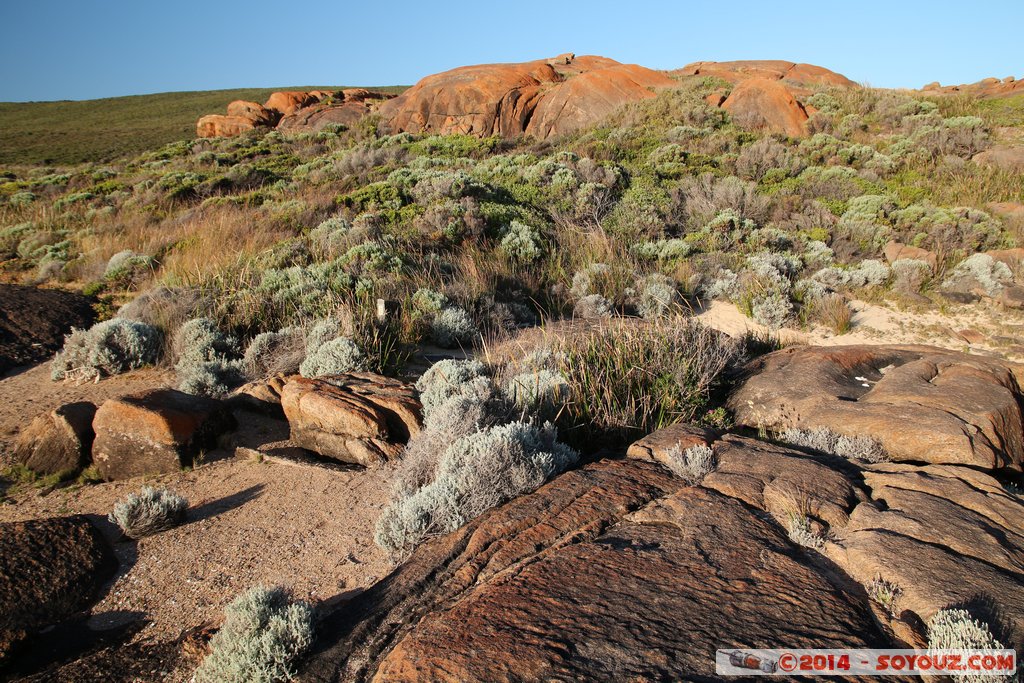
358,418
58,442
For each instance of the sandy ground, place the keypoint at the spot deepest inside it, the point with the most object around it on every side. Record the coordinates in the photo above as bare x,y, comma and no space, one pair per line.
304,527
251,521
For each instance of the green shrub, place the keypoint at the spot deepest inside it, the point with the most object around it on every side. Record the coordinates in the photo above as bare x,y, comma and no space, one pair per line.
148,512
612,397
264,633
107,348
521,243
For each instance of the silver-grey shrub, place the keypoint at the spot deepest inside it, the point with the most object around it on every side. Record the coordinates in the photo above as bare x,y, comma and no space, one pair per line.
476,473
208,363
334,357
458,416
826,441
989,273
592,307
521,243
452,327
107,348
955,629
150,511
692,464
657,296
264,633
448,378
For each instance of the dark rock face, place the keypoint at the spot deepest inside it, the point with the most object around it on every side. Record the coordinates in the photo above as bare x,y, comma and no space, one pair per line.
50,569
155,432
616,571
921,403
33,322
58,442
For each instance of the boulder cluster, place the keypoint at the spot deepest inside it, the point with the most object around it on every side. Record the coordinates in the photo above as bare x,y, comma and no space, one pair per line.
540,99
292,110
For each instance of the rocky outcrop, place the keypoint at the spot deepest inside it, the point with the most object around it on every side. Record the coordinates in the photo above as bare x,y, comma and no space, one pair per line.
263,396
541,98
895,251
585,99
768,94
292,111
793,75
218,126
289,102
155,432
257,113
764,104
58,442
926,528
986,87
621,571
615,571
920,403
50,569
358,418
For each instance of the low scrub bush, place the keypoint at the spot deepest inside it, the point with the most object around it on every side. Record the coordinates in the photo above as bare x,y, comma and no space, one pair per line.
612,394
452,327
692,464
802,532
334,357
448,378
593,307
208,363
264,633
956,629
984,270
826,441
885,594
107,348
477,472
150,511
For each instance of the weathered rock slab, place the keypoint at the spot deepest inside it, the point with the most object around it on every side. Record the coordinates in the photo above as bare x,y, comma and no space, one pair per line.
358,418
922,404
615,571
155,432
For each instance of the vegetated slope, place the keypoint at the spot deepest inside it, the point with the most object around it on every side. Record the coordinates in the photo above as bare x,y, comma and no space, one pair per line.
68,132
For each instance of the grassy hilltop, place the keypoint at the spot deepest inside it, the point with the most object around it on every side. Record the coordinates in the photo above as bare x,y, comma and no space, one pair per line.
72,132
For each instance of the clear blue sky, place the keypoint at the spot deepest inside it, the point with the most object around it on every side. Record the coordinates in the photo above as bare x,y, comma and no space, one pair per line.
79,49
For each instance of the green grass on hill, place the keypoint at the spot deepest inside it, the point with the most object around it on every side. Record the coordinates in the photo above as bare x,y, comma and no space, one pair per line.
101,130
